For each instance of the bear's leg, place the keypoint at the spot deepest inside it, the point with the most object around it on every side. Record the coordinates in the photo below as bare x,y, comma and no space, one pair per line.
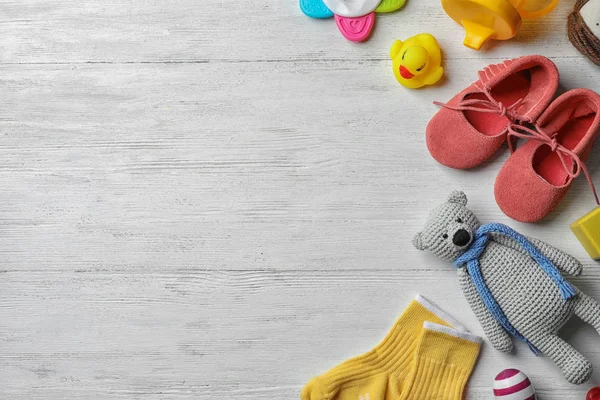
588,310
574,366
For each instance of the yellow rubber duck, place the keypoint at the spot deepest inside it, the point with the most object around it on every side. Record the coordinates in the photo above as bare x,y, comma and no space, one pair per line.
417,61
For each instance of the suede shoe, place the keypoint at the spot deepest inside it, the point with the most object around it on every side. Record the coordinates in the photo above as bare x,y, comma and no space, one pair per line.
538,175
471,127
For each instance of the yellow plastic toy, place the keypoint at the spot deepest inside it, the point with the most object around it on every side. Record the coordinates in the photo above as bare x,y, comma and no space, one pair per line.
417,61
587,230
494,19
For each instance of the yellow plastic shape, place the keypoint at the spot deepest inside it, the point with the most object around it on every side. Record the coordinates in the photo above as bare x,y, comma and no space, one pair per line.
417,61
534,8
484,19
587,230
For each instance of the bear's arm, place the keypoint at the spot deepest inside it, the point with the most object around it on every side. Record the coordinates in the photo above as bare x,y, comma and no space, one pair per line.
563,261
496,334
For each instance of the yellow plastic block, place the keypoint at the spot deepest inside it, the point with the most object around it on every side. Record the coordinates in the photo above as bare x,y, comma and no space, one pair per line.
587,230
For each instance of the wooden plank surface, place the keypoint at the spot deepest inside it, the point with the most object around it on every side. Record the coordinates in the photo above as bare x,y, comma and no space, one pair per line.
201,200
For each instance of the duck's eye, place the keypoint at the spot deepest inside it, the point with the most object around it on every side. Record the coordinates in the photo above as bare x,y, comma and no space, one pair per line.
459,220
445,236
403,54
421,67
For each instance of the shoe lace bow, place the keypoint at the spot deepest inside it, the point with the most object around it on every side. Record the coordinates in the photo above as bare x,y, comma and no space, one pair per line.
489,105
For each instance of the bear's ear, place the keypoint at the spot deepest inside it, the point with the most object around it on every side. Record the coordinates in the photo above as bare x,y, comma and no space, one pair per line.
418,242
458,197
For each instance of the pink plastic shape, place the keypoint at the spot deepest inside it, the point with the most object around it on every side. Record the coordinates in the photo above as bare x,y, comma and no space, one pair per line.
356,29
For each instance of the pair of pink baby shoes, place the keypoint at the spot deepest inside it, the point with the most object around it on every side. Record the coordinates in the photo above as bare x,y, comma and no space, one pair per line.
515,100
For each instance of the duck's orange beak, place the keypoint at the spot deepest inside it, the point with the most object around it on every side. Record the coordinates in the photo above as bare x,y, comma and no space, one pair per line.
405,73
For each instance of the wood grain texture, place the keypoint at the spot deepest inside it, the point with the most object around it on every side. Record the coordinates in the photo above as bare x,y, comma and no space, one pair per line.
201,200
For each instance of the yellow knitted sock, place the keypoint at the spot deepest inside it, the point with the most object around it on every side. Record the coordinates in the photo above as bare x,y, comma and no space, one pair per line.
366,377
443,363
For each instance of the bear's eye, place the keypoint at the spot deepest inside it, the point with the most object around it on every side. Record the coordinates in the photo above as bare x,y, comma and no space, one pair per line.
459,220
445,236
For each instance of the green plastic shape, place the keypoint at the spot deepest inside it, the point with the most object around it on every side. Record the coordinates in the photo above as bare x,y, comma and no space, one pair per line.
387,6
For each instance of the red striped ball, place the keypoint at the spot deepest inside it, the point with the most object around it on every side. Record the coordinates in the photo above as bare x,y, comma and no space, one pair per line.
512,384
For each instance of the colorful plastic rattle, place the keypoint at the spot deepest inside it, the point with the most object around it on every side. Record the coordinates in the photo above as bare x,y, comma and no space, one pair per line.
494,19
355,19
417,61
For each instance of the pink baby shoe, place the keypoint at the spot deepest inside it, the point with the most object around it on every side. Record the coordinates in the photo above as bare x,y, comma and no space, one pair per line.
473,125
537,176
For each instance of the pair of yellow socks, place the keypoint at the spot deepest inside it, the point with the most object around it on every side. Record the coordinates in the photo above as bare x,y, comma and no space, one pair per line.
426,356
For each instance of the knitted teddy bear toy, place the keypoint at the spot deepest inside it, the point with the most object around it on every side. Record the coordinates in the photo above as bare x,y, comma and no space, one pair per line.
513,284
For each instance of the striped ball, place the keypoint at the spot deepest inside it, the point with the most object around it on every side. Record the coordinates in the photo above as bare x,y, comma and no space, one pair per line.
512,384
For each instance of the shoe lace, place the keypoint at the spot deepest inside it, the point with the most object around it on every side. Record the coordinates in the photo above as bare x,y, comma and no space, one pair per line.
576,167
489,105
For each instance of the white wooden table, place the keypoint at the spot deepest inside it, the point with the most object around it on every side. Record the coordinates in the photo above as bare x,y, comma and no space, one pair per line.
208,199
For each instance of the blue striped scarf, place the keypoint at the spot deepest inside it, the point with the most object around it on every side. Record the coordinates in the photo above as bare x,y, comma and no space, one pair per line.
471,258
